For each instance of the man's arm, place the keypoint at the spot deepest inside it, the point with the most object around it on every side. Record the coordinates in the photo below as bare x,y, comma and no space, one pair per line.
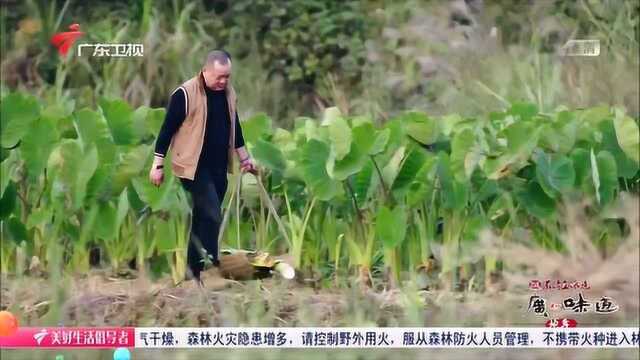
173,120
239,145
242,153
246,164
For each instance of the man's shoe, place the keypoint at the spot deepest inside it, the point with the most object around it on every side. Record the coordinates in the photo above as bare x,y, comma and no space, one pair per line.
188,275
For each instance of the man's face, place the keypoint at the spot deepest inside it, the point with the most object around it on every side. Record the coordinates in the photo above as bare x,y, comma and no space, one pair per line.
217,75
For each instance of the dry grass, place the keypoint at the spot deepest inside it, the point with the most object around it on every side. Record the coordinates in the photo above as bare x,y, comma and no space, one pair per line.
615,275
98,300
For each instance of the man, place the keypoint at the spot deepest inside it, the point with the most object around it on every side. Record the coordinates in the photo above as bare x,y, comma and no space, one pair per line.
198,128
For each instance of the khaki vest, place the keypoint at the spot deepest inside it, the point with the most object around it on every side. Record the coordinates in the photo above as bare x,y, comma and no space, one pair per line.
186,144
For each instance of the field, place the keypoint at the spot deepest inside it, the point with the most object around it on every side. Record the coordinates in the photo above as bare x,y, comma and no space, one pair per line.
407,184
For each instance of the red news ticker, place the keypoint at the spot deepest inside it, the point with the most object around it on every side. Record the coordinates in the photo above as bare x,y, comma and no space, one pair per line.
70,337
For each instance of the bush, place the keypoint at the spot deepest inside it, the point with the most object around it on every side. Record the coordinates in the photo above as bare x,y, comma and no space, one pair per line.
301,41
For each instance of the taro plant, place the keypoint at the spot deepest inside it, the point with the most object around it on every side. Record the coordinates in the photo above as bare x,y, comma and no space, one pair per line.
353,195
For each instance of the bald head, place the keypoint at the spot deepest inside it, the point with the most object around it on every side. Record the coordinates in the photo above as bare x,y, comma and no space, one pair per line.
217,56
217,69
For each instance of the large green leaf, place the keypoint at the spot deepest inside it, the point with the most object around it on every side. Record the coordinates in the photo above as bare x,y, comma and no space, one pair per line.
555,173
7,170
158,198
396,135
72,168
16,230
503,205
595,174
119,116
330,114
39,216
391,169
255,127
380,142
339,136
391,226
59,185
420,127
455,193
8,201
605,176
71,231
37,145
17,113
593,116
423,182
499,167
536,201
559,136
107,226
472,228
364,136
627,168
165,235
87,226
133,164
483,188
314,157
123,208
269,155
581,165
449,122
284,140
351,164
139,122
135,203
360,120
362,141
154,120
88,165
92,128
410,167
309,129
521,138
101,184
362,183
58,111
465,154
147,122
628,135
524,110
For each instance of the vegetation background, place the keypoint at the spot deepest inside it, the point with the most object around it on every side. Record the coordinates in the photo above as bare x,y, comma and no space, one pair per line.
428,159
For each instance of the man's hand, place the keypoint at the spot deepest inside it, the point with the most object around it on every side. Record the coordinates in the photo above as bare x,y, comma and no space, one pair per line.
156,174
248,166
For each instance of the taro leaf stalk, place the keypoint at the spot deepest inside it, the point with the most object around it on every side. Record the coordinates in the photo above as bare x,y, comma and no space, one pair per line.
391,228
297,228
361,255
117,229
332,234
170,237
454,197
164,223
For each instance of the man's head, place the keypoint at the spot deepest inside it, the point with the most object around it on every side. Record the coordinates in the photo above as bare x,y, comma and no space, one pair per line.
217,70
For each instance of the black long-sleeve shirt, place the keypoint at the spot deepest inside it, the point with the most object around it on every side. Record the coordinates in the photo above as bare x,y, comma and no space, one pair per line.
216,135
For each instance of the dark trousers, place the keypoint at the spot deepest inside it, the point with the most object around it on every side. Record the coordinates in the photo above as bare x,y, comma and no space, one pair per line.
207,191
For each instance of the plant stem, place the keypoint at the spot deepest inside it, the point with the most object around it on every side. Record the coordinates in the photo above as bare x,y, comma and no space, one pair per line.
384,186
